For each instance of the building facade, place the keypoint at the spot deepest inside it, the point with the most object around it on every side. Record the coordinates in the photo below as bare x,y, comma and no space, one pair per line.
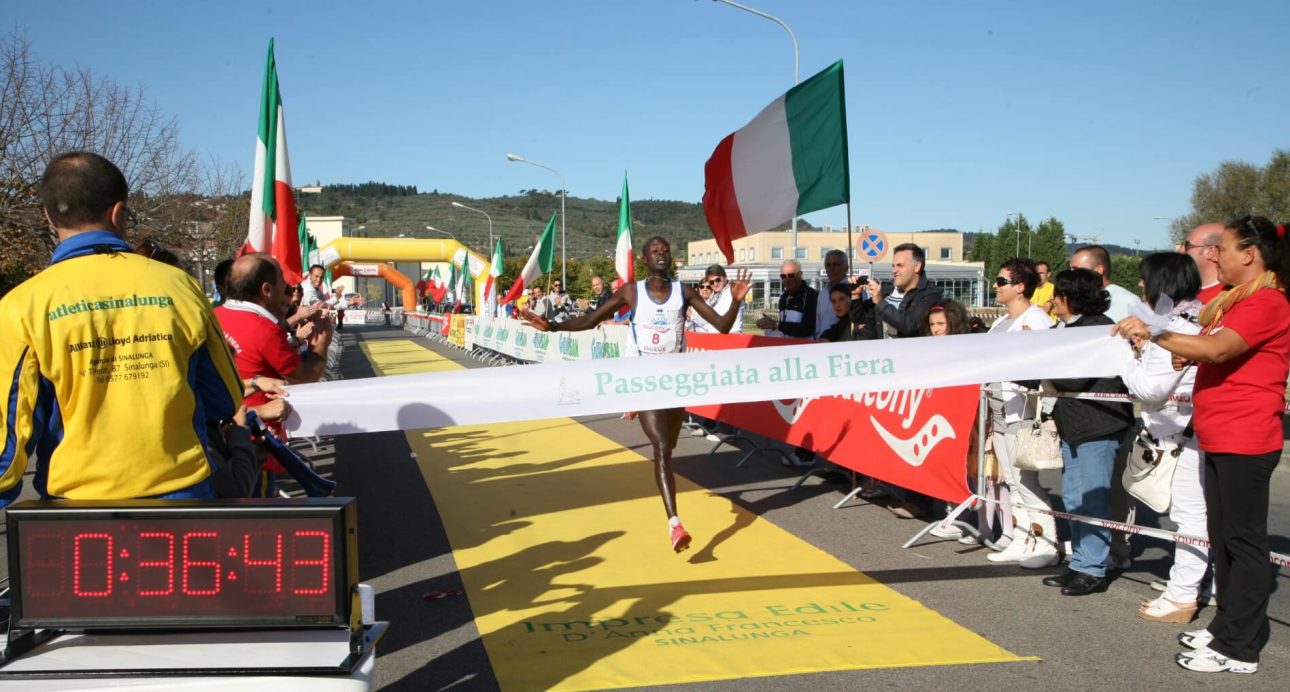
762,254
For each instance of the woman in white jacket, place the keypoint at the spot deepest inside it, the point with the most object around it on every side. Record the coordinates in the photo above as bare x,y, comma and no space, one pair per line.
1156,384
1034,540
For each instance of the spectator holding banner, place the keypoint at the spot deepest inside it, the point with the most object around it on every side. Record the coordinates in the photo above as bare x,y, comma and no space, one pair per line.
1167,424
1091,432
1033,534
1097,259
1243,356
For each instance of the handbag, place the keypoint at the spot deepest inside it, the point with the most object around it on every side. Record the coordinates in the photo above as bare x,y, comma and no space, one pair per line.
1038,446
1149,471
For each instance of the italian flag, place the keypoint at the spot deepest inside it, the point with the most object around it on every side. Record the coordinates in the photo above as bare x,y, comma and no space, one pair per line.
435,287
790,160
273,202
494,275
540,262
623,260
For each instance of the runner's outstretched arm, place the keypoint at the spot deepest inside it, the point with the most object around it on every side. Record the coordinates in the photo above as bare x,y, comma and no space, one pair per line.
624,297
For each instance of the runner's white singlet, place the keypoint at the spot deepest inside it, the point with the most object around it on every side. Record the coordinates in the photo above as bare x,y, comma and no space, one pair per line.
659,327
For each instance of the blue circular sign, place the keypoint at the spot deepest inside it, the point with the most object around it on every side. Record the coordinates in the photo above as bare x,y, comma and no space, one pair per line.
873,245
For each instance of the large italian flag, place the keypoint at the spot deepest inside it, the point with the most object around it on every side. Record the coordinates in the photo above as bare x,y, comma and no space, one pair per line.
790,160
540,262
624,262
273,200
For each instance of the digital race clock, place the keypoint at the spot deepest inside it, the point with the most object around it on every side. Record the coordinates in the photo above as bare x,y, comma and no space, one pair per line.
182,564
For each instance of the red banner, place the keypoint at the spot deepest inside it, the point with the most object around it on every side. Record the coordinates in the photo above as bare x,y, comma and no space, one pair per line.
917,439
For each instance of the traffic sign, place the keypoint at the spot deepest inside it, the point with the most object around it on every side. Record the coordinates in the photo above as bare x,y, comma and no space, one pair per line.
873,246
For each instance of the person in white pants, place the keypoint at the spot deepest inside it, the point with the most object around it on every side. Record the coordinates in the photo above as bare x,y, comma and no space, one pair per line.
1153,380
1034,541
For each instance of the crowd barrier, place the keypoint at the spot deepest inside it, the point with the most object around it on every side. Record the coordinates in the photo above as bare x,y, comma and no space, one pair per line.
1133,529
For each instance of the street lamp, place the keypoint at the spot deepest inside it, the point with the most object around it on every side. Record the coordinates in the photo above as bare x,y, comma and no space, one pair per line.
459,205
797,74
1018,229
432,228
564,266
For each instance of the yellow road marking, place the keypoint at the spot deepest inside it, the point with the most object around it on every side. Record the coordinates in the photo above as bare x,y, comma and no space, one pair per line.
561,541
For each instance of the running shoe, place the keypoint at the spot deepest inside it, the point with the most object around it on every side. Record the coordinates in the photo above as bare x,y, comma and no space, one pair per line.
1207,660
1196,639
951,531
680,538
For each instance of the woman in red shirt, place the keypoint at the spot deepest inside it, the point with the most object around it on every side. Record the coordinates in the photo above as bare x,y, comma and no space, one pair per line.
1243,355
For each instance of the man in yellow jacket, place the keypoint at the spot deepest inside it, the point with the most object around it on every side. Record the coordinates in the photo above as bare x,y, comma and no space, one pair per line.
111,363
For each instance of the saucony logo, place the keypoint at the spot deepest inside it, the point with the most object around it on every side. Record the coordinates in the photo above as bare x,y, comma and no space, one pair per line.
914,450
791,411
904,403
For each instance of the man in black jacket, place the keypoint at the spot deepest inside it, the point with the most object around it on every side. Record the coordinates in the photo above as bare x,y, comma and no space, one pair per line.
796,305
909,277
918,295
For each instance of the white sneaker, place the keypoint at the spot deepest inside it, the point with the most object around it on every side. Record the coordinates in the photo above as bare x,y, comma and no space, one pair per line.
952,531
1039,554
1016,551
1196,639
698,432
1207,660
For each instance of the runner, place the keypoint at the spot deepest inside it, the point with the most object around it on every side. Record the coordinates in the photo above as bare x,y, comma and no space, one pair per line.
658,328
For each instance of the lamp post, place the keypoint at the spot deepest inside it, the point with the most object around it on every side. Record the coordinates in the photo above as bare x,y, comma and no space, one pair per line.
1018,230
432,228
797,75
459,205
564,265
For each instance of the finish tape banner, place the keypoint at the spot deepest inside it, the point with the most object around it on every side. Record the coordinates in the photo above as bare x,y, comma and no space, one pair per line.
591,387
917,438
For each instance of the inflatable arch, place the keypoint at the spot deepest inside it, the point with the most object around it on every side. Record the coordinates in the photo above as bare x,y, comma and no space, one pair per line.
384,271
345,257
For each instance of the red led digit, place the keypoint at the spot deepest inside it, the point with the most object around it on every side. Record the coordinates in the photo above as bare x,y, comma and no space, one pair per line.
79,564
273,544
303,557
162,540
190,562
45,565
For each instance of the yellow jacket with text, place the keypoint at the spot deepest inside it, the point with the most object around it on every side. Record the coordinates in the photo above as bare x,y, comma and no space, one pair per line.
111,365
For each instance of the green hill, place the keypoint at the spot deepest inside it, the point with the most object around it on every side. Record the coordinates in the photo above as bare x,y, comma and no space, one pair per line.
592,224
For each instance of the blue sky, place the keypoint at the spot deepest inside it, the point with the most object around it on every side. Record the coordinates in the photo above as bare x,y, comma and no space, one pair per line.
1099,113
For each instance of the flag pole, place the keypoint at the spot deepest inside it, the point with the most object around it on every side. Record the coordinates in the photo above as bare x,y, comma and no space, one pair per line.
850,247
